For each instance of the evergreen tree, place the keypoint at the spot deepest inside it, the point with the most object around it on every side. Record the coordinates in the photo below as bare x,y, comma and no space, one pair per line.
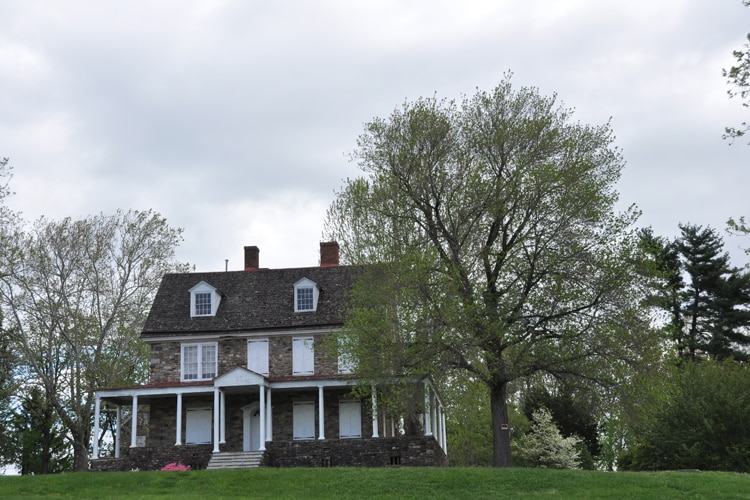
707,300
716,299
39,443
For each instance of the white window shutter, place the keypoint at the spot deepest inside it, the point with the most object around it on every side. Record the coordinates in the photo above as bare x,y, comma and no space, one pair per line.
257,356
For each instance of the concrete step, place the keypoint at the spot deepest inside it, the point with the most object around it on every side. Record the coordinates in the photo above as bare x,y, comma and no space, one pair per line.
235,460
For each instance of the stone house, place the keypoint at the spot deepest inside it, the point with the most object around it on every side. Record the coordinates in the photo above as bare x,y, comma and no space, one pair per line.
237,370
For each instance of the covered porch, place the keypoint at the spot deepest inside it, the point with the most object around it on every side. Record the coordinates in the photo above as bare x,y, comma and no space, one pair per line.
242,411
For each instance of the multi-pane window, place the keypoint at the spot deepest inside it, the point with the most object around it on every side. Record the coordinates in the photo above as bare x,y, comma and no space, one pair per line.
204,300
305,299
202,304
303,356
305,296
199,361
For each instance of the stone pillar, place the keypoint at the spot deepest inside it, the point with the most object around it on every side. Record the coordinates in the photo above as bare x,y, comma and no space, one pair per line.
321,415
178,421
262,414
118,430
217,397
134,422
374,412
95,444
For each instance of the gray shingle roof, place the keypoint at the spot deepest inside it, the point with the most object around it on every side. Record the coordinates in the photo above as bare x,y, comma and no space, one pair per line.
251,300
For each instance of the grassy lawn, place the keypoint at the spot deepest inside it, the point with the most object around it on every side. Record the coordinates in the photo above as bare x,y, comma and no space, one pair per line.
423,483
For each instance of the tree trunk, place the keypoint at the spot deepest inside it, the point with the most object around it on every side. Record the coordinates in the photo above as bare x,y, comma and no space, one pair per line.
501,456
80,455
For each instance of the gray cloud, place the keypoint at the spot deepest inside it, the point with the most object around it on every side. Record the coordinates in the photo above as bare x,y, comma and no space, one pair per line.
233,118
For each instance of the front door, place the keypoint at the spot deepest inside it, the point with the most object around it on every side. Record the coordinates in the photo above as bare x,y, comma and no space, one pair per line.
251,427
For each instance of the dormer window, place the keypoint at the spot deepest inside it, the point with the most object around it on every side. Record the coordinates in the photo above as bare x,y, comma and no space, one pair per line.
305,296
204,300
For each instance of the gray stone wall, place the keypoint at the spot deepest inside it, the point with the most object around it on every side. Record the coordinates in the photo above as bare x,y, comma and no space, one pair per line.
165,362
154,458
162,418
165,358
372,452
232,353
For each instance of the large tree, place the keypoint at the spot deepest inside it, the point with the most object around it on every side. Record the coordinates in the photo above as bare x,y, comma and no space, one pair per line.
707,300
76,293
501,250
738,77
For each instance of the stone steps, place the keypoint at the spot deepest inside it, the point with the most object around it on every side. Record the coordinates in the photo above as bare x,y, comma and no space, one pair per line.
235,460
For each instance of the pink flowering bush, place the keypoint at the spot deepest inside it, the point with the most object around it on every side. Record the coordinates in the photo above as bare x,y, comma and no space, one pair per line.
176,466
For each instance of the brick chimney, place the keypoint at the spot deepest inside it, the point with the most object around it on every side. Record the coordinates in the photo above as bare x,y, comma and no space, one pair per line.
251,258
329,254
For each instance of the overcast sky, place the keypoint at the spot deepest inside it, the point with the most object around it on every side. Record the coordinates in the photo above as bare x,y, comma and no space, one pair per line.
233,119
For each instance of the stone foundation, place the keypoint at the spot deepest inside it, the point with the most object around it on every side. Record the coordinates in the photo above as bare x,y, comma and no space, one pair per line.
373,452
154,458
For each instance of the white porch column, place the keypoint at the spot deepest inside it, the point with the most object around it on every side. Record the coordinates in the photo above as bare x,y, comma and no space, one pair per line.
217,397
262,414
427,410
134,422
178,421
374,412
95,445
223,418
269,417
445,435
321,414
118,430
438,424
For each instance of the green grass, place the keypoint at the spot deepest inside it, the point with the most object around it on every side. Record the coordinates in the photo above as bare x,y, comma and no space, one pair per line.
422,483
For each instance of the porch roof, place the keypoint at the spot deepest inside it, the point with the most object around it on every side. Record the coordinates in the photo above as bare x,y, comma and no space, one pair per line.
235,378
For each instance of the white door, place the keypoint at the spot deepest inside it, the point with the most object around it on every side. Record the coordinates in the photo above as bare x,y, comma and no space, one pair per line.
251,427
197,425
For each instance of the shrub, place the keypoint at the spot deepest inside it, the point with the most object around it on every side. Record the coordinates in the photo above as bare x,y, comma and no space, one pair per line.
176,466
544,446
701,424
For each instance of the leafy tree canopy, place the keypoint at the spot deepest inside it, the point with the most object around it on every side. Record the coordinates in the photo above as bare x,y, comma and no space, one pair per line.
738,76
700,424
494,247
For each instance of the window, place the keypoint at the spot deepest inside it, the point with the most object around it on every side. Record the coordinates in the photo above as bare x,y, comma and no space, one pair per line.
350,419
202,304
305,296
305,299
303,355
257,356
199,361
204,300
345,361
303,420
